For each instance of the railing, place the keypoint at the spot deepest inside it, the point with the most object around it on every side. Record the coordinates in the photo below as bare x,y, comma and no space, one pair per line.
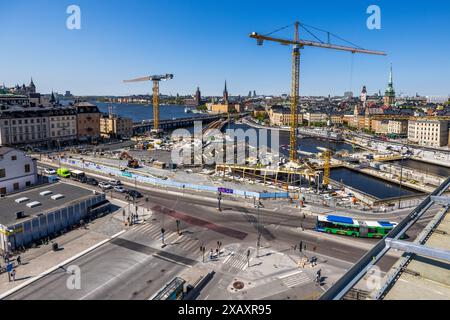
348,281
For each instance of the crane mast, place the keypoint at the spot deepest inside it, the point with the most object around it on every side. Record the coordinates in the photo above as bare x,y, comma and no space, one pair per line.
156,105
294,97
298,44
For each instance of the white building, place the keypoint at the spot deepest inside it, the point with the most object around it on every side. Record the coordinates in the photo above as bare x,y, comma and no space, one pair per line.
17,171
429,133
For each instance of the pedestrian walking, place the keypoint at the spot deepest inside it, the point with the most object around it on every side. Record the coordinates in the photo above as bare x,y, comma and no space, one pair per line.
19,260
13,274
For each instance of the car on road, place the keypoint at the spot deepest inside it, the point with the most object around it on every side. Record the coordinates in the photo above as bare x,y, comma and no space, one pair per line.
49,171
90,181
115,183
119,189
105,185
63,172
134,194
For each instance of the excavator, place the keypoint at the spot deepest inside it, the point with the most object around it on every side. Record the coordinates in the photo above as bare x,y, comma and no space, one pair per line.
132,163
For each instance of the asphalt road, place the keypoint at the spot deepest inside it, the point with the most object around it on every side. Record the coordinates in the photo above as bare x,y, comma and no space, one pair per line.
134,267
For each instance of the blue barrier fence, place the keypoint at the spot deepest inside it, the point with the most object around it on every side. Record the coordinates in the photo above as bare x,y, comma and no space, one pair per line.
102,169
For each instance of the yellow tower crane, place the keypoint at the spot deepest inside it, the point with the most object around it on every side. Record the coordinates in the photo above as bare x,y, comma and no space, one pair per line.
326,166
156,79
297,45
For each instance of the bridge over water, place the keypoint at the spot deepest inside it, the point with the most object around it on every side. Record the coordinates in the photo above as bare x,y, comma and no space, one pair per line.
147,125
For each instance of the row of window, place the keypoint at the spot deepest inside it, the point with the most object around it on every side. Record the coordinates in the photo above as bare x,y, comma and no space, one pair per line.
16,187
24,121
27,169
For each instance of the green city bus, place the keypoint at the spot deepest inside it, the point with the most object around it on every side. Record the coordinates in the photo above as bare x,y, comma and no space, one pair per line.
350,227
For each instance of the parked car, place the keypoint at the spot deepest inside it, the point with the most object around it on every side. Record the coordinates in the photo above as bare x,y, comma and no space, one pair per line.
134,194
49,171
119,189
90,181
115,182
105,185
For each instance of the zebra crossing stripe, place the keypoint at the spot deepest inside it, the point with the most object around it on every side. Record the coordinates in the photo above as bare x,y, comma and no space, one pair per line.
294,279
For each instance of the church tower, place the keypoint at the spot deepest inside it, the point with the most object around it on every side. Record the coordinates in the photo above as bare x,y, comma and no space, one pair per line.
225,94
389,96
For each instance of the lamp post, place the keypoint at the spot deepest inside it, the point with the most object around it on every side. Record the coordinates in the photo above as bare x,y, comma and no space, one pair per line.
219,199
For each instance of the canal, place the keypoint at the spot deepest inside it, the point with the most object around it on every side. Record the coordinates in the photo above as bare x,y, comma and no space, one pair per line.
139,112
378,188
367,184
424,167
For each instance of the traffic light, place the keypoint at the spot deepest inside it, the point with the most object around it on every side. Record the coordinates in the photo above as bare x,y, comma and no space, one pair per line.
301,246
163,230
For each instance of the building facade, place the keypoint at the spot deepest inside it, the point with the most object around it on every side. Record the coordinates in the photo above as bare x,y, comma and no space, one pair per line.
88,121
17,171
63,125
281,117
112,126
398,127
429,133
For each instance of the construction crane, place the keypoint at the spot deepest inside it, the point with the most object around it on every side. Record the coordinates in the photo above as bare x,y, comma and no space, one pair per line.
156,79
326,166
297,45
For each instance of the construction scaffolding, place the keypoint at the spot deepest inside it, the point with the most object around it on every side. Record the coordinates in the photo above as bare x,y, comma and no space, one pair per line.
280,176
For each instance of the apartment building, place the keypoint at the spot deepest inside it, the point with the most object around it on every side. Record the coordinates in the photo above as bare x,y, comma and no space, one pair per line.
88,121
280,116
316,117
430,133
22,125
63,124
398,127
17,171
113,126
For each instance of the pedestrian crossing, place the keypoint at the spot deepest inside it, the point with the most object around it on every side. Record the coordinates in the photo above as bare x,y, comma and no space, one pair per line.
170,237
295,279
237,261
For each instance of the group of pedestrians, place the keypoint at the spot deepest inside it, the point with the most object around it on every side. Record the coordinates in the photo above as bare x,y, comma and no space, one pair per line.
7,260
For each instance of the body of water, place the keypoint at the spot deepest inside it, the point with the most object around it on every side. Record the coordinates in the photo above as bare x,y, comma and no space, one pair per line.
304,144
139,112
425,167
370,185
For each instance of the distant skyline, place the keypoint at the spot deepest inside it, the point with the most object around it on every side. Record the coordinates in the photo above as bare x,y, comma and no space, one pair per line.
204,42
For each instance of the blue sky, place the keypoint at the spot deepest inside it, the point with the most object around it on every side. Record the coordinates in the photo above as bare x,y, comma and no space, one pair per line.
204,42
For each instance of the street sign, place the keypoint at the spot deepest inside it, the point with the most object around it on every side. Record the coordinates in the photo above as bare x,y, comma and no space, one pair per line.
127,174
9,267
225,190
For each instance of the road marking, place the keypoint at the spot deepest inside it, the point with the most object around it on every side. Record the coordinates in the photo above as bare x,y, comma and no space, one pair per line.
294,279
112,279
45,273
156,255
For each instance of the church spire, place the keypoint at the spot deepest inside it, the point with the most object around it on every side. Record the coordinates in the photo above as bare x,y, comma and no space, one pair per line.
391,82
225,93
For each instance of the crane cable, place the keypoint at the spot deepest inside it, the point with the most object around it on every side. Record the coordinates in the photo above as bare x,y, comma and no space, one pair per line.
305,27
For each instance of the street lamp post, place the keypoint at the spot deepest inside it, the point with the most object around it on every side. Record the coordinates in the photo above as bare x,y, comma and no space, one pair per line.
219,199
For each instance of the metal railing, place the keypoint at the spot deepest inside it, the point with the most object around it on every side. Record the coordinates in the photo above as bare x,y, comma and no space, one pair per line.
348,281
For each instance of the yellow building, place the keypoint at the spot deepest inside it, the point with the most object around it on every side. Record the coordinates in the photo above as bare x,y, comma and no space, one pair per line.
222,108
116,127
282,117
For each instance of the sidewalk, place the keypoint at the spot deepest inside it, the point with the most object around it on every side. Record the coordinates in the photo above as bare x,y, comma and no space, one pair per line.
36,261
